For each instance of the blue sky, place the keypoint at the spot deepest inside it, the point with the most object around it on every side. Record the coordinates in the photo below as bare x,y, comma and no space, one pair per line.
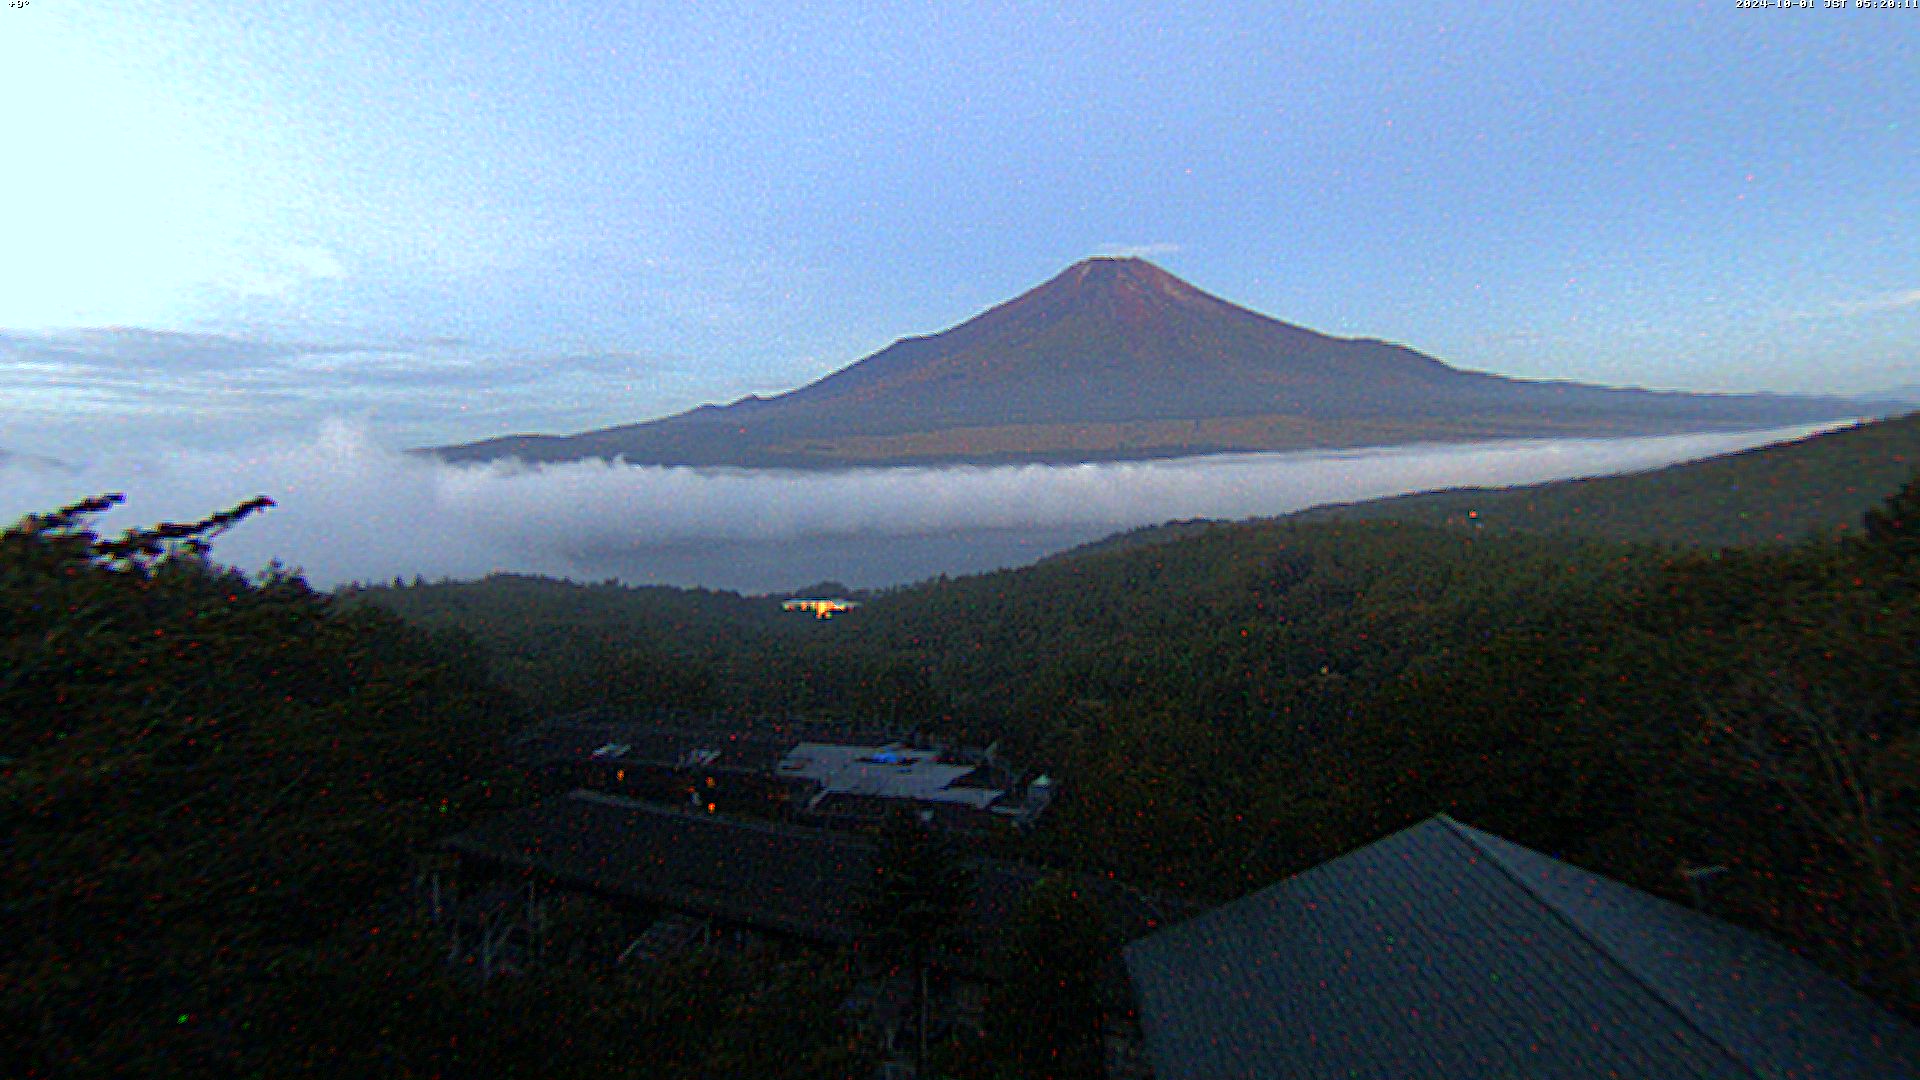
451,220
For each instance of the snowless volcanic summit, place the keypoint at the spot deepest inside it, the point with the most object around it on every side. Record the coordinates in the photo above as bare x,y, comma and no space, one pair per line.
1116,358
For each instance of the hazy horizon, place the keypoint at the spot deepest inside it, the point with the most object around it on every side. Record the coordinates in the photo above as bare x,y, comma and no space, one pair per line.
350,510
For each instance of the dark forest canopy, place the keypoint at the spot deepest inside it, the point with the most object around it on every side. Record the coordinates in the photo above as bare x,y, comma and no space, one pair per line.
216,786
214,790
1284,691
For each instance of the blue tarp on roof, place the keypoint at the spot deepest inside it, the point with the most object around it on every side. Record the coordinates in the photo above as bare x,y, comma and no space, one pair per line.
1444,951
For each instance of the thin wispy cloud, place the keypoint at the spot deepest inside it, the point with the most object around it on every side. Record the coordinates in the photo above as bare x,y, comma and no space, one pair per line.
1879,304
281,271
1141,251
350,510
167,385
1893,301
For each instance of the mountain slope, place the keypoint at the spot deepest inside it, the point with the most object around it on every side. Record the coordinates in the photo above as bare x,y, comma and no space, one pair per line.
1811,488
1116,358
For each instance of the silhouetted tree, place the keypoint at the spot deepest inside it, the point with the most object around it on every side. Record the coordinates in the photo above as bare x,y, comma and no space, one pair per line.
915,904
1892,529
1045,1019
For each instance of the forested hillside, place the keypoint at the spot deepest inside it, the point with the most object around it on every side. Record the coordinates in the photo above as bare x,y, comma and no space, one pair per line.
214,790
1252,699
1818,485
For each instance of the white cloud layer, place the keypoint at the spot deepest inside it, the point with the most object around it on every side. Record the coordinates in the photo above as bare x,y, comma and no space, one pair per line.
352,511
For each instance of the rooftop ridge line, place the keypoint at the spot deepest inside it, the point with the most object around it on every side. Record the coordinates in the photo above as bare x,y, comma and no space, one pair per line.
788,832
1599,945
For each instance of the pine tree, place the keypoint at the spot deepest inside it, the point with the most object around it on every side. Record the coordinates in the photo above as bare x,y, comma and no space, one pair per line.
1893,528
1045,1018
915,904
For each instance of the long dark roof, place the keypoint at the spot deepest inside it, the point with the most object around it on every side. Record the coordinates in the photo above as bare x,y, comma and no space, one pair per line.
737,751
1444,951
786,879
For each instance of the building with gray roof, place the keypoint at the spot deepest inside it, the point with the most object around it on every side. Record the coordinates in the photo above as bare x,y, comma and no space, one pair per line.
791,770
1445,951
798,882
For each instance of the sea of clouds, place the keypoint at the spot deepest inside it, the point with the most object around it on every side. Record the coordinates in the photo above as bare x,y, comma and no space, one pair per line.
349,510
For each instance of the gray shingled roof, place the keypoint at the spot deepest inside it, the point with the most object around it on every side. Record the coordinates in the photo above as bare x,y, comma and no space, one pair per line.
786,879
1444,951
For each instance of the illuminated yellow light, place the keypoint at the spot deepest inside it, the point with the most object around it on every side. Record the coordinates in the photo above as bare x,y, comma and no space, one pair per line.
821,608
